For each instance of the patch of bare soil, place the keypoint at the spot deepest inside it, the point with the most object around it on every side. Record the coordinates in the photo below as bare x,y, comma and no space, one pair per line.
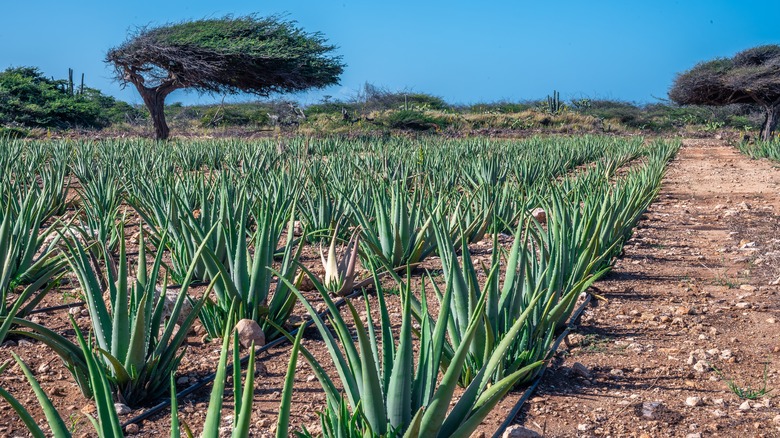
686,343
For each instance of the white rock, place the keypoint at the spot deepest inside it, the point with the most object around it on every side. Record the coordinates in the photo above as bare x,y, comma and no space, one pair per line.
170,302
583,427
744,406
122,409
650,409
249,331
693,401
701,366
517,431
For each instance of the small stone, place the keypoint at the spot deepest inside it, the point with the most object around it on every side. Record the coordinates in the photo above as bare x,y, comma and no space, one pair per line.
249,331
122,409
693,435
171,297
43,368
183,380
701,366
131,428
693,401
682,310
617,372
718,413
74,311
580,370
776,420
517,431
88,409
770,320
311,378
582,427
263,423
540,215
725,354
747,288
744,406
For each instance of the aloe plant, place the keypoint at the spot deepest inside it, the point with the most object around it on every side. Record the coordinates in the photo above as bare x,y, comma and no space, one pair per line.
387,392
246,275
340,273
138,348
397,231
107,422
27,261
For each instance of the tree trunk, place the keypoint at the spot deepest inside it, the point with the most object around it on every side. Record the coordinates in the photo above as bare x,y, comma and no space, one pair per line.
154,98
770,122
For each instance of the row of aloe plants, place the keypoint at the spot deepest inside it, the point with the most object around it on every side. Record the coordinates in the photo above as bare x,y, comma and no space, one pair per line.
761,149
125,358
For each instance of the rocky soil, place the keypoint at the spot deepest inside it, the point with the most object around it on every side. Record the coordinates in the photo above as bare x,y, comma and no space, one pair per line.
686,341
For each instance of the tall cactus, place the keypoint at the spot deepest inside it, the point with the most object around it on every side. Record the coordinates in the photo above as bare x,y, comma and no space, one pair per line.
554,104
70,81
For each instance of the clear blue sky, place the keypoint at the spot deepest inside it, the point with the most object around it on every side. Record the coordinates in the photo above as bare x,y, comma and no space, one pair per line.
465,52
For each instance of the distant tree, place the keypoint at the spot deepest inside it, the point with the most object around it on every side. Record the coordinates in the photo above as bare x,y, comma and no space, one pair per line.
30,99
750,77
224,55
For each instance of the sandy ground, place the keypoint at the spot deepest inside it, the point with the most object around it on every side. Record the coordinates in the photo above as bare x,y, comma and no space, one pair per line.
691,319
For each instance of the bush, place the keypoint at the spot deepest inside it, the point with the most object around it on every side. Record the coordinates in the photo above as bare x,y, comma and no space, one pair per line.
12,132
415,121
498,107
234,115
29,99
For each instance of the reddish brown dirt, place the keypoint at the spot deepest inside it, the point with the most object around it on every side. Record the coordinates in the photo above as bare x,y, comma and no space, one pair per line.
691,306
685,284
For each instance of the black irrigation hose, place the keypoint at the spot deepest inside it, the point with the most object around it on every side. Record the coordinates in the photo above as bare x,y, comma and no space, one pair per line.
209,378
530,390
81,303
60,307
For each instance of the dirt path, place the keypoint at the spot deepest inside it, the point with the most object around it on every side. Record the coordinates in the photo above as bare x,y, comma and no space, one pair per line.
695,291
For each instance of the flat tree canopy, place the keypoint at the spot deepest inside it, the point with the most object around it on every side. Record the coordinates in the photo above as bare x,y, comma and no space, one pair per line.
224,55
750,77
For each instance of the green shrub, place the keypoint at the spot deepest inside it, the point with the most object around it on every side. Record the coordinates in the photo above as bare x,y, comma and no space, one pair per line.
13,132
498,107
235,115
29,99
415,120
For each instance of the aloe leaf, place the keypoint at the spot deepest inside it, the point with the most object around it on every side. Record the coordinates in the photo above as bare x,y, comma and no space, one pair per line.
283,421
53,418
